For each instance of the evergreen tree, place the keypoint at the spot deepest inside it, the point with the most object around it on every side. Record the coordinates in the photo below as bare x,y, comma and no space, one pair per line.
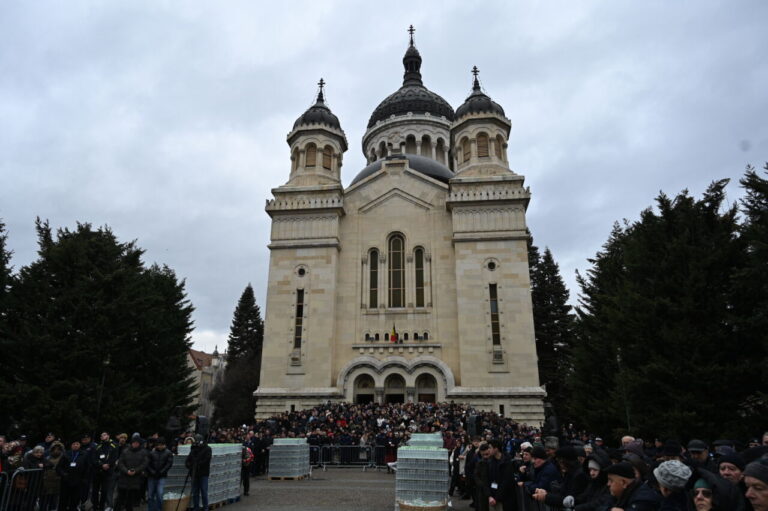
96,340
657,324
553,324
233,396
750,297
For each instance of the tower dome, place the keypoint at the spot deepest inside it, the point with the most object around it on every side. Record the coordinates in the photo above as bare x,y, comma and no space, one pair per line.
478,102
412,96
319,113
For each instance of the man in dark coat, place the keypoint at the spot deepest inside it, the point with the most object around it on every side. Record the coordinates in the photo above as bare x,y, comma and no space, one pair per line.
73,470
574,481
628,492
544,472
469,470
160,462
103,459
199,466
131,467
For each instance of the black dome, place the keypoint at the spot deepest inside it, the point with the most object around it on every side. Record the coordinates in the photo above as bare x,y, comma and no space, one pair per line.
318,114
412,96
478,102
421,164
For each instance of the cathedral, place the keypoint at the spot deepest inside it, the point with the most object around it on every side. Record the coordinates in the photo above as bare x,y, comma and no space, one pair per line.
411,284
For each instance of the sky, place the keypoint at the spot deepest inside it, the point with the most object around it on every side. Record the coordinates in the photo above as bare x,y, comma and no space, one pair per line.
167,121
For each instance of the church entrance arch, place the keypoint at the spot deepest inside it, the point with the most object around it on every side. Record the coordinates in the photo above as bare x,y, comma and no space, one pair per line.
364,389
394,389
426,388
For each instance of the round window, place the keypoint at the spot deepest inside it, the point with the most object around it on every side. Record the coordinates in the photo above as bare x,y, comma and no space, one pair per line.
491,265
301,272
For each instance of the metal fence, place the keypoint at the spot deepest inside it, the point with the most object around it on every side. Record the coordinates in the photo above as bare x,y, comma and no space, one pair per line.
351,456
21,491
525,502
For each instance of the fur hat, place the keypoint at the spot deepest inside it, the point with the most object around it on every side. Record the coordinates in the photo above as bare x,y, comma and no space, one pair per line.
733,459
672,474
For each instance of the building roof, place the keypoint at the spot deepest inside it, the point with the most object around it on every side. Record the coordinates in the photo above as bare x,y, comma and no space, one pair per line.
478,102
201,358
420,164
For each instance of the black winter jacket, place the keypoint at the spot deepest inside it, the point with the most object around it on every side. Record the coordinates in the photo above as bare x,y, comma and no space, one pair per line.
638,496
199,460
73,468
575,481
160,462
104,453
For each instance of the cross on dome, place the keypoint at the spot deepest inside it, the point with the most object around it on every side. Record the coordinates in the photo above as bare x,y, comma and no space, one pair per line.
411,30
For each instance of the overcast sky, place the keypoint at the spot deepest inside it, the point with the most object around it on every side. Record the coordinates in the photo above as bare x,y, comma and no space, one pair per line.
167,120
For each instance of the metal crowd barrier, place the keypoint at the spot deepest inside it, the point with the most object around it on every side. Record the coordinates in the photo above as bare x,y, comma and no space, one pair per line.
22,490
527,503
364,456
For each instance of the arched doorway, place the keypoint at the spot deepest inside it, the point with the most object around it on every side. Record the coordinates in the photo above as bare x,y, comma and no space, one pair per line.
394,389
364,385
426,388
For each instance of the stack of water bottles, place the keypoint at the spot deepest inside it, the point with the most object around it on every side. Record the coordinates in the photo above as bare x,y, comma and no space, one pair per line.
422,478
223,482
289,458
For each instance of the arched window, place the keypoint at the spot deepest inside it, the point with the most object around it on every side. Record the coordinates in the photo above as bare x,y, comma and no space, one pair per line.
405,336
396,271
410,145
418,258
426,336
415,336
482,145
373,295
440,150
383,150
373,156
295,159
465,150
327,155
311,155
386,336
426,146
499,147
376,337
367,337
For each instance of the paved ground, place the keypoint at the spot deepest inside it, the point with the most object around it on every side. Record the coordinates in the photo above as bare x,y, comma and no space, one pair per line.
337,489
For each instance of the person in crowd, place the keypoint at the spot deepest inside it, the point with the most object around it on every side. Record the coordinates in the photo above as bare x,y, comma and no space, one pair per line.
245,470
159,464
574,480
199,465
472,457
86,448
73,470
457,460
756,480
731,467
130,467
49,499
544,472
628,492
712,493
596,496
103,461
672,478
489,477
34,459
698,450
48,442
480,501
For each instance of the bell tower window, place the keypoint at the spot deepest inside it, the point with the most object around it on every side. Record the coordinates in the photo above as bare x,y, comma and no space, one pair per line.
482,145
311,155
327,155
465,151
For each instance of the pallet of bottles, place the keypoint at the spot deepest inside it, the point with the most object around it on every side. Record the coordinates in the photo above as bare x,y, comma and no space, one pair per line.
223,481
426,440
422,477
289,459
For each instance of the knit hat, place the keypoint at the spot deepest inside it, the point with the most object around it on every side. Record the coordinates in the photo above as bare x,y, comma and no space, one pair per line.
758,469
702,483
622,469
526,445
733,459
539,452
672,474
551,442
593,465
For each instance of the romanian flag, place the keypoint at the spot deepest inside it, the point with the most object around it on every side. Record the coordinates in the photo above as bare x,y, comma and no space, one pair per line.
393,335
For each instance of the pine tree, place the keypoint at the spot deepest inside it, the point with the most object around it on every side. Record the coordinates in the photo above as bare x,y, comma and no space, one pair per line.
233,396
553,324
657,323
96,339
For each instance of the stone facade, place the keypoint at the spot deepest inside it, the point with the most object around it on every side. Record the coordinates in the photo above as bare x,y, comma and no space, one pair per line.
429,242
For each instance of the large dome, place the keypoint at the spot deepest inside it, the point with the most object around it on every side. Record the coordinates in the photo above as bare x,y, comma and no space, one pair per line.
421,164
412,96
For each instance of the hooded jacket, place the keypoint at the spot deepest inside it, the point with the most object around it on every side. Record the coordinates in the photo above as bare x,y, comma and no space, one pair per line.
51,479
639,497
596,496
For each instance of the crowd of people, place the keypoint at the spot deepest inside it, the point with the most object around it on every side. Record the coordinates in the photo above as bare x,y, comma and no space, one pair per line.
493,461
